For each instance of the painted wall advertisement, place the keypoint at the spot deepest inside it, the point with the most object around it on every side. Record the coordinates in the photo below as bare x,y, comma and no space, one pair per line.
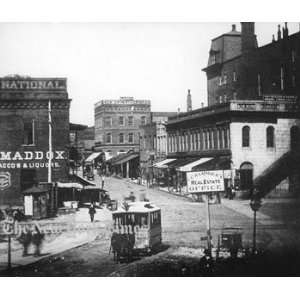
29,159
205,181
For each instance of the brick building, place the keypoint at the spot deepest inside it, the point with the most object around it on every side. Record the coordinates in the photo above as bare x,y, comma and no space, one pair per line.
153,140
239,69
251,125
24,134
117,124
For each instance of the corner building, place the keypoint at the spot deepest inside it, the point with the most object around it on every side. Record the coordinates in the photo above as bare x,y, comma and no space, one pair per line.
251,125
24,134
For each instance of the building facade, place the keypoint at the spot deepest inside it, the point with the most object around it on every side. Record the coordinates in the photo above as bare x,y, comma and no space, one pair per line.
153,140
24,134
117,124
251,124
238,69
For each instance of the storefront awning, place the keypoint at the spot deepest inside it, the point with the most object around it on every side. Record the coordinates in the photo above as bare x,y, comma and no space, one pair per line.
188,167
69,185
80,180
93,156
125,158
181,162
162,164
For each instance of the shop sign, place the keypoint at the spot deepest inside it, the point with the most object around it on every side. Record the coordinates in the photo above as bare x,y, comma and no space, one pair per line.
30,159
30,155
205,181
32,84
5,180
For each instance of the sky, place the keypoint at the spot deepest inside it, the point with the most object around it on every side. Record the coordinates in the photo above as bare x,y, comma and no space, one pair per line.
152,61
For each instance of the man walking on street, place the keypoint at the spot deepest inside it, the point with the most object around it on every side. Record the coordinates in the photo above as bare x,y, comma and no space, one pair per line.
92,211
102,181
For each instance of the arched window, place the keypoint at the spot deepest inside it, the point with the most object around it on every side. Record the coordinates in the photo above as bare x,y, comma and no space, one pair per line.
270,137
246,136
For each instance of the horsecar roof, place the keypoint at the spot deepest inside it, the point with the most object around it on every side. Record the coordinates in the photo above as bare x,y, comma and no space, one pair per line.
138,207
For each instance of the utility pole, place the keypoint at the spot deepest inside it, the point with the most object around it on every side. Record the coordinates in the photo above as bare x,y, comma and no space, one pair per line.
208,224
255,204
254,232
50,143
9,253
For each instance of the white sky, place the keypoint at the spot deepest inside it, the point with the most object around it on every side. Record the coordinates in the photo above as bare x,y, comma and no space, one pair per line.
155,61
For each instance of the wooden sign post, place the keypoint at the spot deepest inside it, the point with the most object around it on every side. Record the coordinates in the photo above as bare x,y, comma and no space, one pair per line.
204,183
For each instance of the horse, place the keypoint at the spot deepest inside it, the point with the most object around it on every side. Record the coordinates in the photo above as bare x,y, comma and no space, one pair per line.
122,246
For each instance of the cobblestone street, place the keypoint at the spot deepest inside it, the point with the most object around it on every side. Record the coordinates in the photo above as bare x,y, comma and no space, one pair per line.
183,223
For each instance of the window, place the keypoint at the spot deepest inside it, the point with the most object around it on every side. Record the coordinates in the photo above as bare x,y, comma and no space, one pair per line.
213,59
270,137
220,80
220,99
29,133
225,98
234,95
281,78
234,78
225,79
130,120
246,136
293,80
258,85
121,138
121,121
143,120
108,138
130,138
293,56
107,122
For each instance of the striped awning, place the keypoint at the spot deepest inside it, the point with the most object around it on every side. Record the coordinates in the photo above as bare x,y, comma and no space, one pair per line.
188,167
162,164
93,156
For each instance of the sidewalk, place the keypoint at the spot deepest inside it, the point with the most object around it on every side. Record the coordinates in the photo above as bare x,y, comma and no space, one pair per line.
243,207
60,242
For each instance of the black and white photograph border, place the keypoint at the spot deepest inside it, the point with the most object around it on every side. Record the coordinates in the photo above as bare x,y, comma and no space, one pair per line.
178,288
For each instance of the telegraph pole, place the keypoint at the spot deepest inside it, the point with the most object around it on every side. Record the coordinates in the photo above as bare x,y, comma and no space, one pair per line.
50,143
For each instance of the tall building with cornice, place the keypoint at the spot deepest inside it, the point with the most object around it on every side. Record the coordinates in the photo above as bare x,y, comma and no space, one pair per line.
117,124
24,134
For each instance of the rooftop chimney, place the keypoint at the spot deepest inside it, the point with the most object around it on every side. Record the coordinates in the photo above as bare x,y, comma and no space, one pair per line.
278,33
273,38
233,27
189,101
249,41
285,30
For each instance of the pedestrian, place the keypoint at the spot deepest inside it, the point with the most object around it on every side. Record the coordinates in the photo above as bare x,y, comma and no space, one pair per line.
37,240
92,211
231,192
102,180
25,239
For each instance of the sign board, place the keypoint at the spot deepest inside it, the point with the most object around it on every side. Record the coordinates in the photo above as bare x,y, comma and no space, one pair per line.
19,83
28,159
205,181
279,97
